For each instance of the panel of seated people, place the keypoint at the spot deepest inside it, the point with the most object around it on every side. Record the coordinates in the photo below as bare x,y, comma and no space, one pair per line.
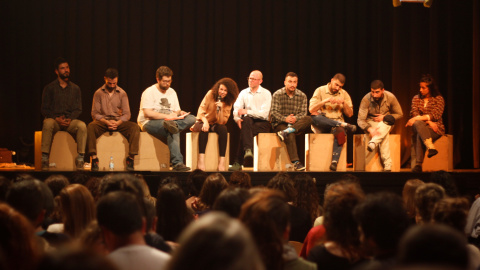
269,153
318,153
211,152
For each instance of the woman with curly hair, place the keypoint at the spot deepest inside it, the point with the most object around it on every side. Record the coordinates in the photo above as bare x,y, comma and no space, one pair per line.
426,120
307,195
212,115
213,186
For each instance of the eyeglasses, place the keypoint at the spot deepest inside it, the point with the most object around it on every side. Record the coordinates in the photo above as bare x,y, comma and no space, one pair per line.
252,79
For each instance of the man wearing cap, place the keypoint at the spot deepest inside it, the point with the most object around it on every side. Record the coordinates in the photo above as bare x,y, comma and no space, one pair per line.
378,112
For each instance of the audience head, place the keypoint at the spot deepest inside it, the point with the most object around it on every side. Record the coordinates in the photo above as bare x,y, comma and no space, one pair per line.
76,259
282,181
433,245
22,177
172,212
214,184
91,238
93,184
230,201
452,212
77,209
382,221
216,242
195,182
17,240
79,177
267,216
307,195
32,198
150,215
408,195
240,179
426,197
56,182
446,180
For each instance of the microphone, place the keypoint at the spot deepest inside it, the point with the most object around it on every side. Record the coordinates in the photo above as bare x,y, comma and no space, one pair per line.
219,98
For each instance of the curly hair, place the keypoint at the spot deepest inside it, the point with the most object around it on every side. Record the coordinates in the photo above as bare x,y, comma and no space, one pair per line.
432,86
282,181
240,179
214,184
452,212
307,195
232,90
425,198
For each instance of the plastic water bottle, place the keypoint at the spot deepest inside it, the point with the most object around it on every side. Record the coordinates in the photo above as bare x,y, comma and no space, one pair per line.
111,165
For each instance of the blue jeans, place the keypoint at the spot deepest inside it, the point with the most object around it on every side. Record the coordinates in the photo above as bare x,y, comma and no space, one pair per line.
155,128
327,125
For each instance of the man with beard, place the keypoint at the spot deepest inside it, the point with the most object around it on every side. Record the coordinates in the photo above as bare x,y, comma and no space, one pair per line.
160,115
378,112
289,116
61,106
111,112
327,106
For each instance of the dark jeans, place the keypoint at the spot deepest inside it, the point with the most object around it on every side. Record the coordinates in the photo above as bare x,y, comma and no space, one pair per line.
299,127
421,132
222,132
250,128
327,125
128,129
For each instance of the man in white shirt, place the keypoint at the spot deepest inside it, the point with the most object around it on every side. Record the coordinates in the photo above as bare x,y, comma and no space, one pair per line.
250,112
160,115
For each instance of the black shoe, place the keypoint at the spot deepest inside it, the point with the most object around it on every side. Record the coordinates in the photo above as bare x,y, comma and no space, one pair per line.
180,167
79,163
333,166
417,169
171,126
432,152
298,166
282,135
129,162
235,167
351,128
95,165
248,158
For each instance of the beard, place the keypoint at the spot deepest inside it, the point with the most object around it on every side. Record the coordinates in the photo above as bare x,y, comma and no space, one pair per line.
164,88
64,76
110,89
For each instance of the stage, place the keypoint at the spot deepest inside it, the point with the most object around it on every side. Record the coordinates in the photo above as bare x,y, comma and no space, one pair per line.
468,181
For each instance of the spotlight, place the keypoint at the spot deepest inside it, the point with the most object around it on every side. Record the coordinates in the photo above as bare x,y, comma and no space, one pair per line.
426,3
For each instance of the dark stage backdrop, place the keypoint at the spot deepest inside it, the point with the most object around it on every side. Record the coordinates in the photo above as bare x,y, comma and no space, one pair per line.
203,41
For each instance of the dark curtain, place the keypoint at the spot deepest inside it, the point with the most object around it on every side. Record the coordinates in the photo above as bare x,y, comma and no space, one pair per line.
476,83
203,41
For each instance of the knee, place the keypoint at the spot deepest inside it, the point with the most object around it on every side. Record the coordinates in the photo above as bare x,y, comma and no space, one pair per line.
81,126
418,125
247,121
48,123
190,119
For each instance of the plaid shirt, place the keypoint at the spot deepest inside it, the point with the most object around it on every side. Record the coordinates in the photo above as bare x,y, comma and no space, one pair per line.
283,106
434,108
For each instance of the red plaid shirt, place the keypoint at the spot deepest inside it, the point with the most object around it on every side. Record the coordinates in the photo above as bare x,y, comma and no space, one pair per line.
434,108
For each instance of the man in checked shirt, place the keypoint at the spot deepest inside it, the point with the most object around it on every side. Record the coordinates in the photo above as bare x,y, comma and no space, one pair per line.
289,116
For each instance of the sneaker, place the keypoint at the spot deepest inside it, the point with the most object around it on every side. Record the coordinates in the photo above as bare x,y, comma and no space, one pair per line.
248,158
282,135
351,128
94,165
333,166
171,126
417,169
235,167
180,167
387,168
371,146
298,166
129,162
45,165
432,152
79,163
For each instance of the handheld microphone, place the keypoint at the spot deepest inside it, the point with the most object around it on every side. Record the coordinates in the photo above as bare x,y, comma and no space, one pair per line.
219,98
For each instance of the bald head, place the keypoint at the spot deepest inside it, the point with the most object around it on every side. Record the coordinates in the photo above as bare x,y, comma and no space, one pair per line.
255,79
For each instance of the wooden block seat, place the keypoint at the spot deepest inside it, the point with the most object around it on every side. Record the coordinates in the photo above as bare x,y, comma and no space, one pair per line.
363,160
211,152
318,153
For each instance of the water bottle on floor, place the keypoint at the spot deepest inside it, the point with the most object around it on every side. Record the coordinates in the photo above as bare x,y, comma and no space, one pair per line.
111,165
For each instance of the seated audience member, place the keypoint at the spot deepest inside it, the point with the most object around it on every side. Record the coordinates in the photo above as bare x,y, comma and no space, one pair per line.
145,189
93,184
340,248
212,116
426,120
426,197
172,213
77,210
240,179
453,212
214,184
446,180
382,221
120,217
76,259
313,237
152,238
433,245
34,200
307,195
299,218
230,200
56,182
472,227
91,239
194,185
216,242
79,177
408,195
267,216
18,245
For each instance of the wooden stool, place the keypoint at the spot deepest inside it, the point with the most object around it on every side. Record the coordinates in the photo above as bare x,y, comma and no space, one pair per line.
318,153
363,160
269,153
441,161
211,152
153,154
114,145
62,153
